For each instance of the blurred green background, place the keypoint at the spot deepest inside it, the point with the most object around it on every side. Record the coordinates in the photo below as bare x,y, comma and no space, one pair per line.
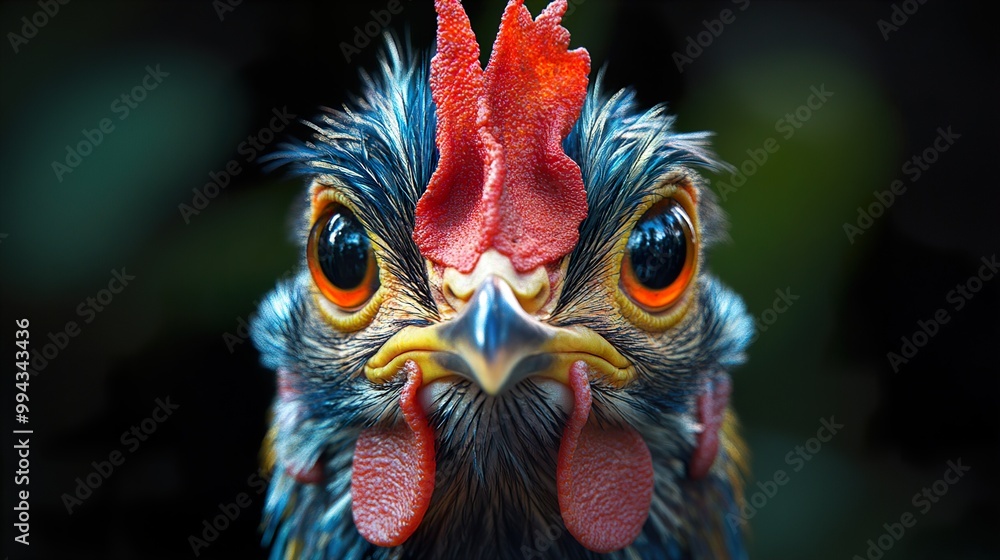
198,276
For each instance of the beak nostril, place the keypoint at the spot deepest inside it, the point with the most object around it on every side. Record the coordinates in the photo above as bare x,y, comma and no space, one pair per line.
456,302
534,295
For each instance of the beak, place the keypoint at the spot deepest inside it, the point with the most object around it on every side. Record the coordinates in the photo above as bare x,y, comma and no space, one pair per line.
496,344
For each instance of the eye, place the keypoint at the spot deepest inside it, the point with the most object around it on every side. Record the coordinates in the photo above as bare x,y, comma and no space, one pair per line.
659,257
341,259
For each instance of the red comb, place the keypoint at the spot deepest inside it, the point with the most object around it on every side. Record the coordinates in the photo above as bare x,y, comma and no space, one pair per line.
503,179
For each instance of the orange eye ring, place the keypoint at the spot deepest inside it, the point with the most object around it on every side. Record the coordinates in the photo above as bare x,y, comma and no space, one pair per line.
341,259
659,260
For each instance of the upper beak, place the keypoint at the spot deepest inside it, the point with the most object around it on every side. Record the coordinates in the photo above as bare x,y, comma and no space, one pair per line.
495,343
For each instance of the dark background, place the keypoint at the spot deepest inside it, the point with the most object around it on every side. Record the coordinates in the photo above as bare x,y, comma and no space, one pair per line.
196,283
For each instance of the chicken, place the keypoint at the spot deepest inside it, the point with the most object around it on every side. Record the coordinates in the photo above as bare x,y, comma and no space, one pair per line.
503,340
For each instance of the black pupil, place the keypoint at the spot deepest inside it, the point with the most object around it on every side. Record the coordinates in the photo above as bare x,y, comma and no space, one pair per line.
342,250
658,248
